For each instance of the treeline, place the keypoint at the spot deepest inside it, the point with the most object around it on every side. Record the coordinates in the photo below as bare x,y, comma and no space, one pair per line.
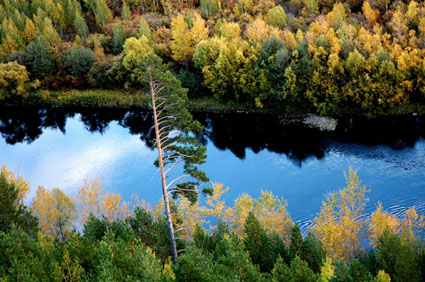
96,237
320,56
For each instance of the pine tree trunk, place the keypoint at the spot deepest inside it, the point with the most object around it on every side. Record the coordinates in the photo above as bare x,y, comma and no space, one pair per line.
163,180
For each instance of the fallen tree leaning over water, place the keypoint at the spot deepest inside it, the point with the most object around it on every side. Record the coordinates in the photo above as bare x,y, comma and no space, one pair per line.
173,123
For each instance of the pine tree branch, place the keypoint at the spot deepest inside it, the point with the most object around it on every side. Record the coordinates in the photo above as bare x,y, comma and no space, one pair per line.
173,166
178,179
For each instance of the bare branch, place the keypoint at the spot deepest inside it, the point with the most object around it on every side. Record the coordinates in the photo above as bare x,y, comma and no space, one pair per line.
178,179
165,133
166,126
184,155
170,131
171,144
162,103
169,136
182,189
173,166
174,156
165,108
166,117
159,88
166,159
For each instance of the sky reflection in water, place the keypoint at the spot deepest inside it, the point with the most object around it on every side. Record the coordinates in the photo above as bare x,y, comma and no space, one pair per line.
124,164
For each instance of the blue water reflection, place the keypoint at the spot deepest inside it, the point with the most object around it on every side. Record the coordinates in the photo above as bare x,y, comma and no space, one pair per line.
114,152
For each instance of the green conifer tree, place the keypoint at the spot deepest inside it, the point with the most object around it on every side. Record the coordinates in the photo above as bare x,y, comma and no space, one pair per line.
276,17
208,8
80,24
118,38
13,211
125,13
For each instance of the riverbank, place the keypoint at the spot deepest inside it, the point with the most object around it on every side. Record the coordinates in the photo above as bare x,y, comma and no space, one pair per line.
124,99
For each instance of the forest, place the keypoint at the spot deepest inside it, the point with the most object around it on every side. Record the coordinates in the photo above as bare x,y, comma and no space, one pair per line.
296,56
92,235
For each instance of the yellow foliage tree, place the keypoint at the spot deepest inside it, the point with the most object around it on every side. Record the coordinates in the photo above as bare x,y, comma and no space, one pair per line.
56,212
327,270
379,221
412,13
299,36
71,268
289,40
257,32
382,276
181,45
368,42
14,80
199,31
8,46
412,225
268,209
92,200
243,206
421,27
189,215
340,220
215,207
337,16
22,185
370,14
89,199
158,209
49,33
29,30
134,50
245,5
230,30
185,39
398,25
113,208
272,214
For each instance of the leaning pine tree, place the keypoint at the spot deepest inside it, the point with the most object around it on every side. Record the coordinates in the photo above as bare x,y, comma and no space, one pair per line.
173,126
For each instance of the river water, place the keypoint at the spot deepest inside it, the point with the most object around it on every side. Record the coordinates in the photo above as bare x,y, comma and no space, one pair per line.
246,152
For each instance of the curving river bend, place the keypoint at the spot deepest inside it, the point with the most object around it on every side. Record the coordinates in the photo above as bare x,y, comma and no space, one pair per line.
247,152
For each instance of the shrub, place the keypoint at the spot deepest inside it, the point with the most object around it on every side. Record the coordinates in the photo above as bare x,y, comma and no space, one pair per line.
18,56
22,258
78,60
39,59
99,75
14,80
276,17
208,8
397,258
126,260
297,271
12,212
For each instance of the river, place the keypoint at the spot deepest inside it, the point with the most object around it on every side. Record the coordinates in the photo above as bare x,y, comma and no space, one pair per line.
246,152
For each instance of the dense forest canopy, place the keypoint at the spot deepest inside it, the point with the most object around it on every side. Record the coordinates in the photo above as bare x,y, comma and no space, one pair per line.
321,56
95,236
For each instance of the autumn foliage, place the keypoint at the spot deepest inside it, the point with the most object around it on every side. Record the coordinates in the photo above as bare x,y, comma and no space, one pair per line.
95,235
350,57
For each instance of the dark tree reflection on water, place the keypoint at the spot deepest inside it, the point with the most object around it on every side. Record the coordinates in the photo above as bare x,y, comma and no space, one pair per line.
236,132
